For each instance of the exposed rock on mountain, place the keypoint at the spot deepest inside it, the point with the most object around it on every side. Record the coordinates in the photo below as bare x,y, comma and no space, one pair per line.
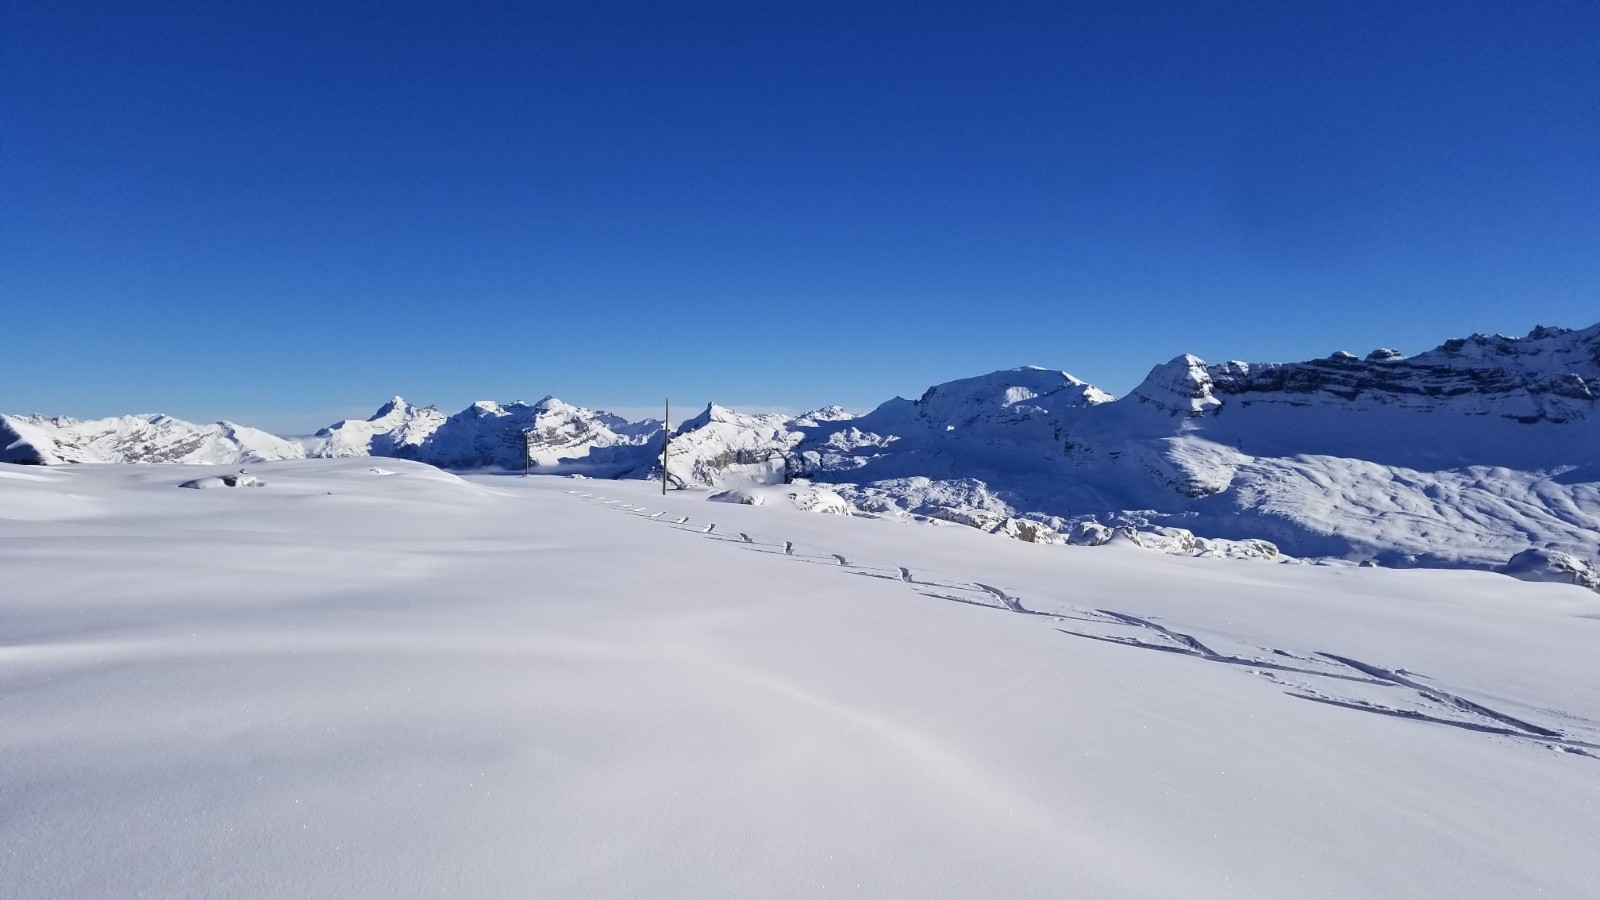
1181,387
720,444
1483,400
1467,454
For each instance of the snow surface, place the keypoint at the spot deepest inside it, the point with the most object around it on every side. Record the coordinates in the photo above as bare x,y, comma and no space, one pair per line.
412,683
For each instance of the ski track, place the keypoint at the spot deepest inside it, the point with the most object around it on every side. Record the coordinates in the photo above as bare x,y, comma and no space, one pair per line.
1437,695
1011,602
1438,706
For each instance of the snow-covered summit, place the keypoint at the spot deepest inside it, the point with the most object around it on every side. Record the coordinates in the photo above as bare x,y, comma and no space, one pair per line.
965,401
396,429
832,413
53,440
485,434
1466,454
720,445
1181,386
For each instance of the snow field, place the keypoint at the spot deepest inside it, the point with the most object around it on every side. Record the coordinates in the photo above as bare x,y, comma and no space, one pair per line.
413,684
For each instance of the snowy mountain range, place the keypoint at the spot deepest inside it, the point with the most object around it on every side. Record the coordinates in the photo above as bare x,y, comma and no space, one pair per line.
1466,455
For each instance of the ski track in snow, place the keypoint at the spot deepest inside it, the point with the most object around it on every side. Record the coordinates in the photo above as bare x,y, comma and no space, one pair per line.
1326,678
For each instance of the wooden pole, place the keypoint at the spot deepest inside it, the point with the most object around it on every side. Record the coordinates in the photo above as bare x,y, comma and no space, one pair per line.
666,440
527,453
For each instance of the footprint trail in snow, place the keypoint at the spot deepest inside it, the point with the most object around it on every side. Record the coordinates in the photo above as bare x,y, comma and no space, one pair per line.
1317,676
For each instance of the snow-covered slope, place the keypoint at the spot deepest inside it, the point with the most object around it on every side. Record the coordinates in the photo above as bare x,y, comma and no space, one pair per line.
45,440
392,681
1465,455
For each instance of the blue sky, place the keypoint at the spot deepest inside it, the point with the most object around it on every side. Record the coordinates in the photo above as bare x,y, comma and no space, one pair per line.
285,213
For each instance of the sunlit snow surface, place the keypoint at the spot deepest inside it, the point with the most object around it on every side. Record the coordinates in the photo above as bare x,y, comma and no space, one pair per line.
395,682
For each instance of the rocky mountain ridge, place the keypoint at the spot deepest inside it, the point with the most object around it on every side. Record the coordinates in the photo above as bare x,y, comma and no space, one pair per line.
1467,454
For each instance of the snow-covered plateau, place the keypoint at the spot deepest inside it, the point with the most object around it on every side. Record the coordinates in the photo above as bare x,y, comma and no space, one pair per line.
359,680
1478,452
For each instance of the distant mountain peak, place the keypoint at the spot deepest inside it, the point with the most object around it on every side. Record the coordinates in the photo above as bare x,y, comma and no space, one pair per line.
1489,439
396,404
1180,386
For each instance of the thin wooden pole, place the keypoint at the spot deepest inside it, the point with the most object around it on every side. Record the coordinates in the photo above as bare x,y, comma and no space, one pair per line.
666,440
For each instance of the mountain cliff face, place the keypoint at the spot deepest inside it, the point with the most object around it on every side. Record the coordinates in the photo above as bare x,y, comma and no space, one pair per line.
1552,375
1467,454
1485,400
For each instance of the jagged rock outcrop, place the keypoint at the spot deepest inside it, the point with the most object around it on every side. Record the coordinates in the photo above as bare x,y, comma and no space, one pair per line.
1536,564
1550,375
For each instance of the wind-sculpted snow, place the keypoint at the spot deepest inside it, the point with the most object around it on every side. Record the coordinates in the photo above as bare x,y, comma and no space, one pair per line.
1464,455
1478,516
360,681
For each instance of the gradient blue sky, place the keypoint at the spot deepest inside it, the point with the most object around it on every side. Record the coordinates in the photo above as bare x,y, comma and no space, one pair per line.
284,213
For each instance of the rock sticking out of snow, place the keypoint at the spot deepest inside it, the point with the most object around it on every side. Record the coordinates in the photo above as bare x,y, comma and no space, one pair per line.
1030,531
1173,542
744,498
1010,526
1089,534
1550,565
224,481
820,500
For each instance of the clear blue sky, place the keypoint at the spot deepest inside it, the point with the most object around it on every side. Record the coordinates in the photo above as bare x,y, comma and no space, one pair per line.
281,213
